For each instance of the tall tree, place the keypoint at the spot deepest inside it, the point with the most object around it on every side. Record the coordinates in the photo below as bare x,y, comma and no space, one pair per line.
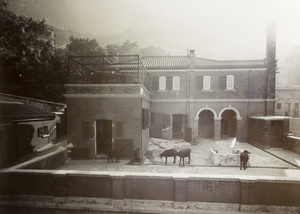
79,46
152,51
129,48
27,56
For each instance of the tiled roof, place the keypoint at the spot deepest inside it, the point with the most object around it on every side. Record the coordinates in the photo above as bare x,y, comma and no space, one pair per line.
19,111
184,62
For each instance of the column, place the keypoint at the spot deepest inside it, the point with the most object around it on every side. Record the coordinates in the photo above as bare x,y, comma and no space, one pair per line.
239,128
217,128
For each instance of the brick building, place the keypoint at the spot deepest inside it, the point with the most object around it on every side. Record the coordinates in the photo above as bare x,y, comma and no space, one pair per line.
119,99
287,101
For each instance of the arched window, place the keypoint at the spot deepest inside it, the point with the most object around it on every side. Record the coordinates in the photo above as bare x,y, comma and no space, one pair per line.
162,83
229,82
176,83
206,82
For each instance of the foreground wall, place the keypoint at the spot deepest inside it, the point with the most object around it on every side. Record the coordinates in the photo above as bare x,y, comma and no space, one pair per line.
147,193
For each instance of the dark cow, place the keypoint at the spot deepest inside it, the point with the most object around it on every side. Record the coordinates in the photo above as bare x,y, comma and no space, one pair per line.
112,154
184,153
244,157
169,153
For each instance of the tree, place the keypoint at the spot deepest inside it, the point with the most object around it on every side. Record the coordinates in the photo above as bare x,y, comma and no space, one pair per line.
112,49
28,64
152,51
79,46
128,48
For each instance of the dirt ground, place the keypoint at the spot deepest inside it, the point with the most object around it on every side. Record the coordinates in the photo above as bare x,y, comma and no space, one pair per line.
200,152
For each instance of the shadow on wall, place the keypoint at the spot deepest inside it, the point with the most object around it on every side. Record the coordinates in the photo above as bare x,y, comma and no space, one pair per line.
25,134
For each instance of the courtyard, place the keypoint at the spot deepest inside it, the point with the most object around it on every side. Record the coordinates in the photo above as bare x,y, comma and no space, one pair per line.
262,163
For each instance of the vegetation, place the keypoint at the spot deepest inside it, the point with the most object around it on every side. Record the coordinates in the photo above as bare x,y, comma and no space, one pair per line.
30,65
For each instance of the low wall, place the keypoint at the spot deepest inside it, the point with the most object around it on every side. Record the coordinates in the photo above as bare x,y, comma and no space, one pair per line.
220,158
293,144
147,193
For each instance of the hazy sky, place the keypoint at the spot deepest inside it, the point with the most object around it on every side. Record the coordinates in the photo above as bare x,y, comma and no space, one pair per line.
220,29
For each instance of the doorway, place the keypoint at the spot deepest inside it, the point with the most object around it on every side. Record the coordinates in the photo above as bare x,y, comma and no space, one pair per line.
228,124
103,135
206,124
178,125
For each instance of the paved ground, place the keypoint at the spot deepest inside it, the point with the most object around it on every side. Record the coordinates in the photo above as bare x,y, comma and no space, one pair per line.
263,164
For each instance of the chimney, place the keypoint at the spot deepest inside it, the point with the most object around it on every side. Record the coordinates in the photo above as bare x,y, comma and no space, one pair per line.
191,56
271,46
271,63
191,53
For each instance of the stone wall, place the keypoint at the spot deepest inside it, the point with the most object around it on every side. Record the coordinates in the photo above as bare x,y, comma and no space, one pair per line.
147,193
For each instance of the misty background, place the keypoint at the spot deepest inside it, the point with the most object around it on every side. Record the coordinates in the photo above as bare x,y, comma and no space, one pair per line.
216,29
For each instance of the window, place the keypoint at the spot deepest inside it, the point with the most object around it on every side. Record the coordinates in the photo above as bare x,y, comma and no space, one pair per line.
162,83
43,131
206,82
229,82
295,105
176,83
278,105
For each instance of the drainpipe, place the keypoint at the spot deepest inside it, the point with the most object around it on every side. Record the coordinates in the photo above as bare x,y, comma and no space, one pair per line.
141,150
248,103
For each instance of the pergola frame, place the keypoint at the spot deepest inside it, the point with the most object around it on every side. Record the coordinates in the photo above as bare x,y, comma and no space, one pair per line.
107,69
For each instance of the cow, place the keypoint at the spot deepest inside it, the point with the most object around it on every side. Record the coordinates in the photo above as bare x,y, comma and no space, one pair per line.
184,153
169,153
244,157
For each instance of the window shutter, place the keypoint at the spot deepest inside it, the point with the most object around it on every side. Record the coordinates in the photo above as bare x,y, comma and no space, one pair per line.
169,83
153,117
155,83
167,121
222,82
199,82
88,129
119,129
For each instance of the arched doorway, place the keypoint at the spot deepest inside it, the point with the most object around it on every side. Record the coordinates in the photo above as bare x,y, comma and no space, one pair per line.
206,124
228,124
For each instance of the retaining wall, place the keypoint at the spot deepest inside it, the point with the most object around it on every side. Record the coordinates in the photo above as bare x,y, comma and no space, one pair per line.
148,193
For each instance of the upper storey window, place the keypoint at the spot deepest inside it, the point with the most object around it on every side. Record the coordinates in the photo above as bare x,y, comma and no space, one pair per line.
206,82
162,83
176,83
229,82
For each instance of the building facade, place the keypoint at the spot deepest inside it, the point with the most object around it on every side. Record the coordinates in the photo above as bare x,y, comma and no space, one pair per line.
169,97
288,101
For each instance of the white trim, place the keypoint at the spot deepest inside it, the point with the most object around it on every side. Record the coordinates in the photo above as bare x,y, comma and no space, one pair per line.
206,108
107,96
212,100
229,70
238,115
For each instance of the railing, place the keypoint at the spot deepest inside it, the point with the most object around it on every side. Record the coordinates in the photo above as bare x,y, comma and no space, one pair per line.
108,69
